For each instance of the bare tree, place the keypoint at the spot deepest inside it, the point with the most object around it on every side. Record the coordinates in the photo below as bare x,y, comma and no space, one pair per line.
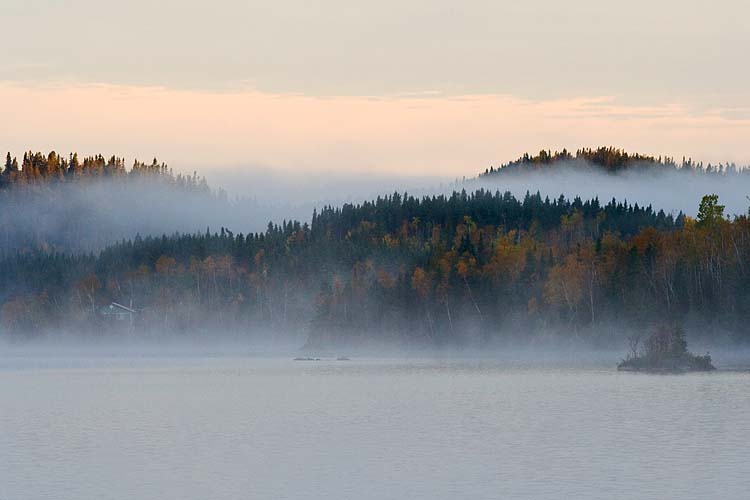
634,341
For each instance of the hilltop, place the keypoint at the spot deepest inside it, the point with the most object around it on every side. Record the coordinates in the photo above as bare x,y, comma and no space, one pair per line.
610,160
38,170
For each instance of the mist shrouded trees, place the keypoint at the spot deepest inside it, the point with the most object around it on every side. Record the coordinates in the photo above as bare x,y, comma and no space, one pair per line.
54,203
440,270
610,160
38,169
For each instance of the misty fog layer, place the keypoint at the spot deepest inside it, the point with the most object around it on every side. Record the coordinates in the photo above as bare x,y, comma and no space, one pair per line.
88,216
462,270
583,250
294,195
82,217
665,189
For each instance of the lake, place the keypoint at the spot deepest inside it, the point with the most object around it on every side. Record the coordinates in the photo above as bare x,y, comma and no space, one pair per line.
232,427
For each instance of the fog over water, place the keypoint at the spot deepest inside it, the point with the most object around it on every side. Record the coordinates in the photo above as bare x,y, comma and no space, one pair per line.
226,416
422,428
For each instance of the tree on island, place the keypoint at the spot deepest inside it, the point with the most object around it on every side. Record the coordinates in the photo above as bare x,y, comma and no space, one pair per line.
664,350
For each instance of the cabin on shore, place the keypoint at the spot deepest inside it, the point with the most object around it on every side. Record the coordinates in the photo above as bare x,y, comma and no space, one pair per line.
118,314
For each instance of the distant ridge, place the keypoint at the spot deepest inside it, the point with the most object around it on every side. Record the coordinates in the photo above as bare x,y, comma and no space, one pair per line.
610,160
38,170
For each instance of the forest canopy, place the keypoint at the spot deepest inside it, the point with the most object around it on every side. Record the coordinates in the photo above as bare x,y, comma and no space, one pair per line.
38,169
465,268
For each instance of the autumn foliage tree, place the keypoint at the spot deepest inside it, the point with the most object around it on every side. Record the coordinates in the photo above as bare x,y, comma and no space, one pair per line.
430,269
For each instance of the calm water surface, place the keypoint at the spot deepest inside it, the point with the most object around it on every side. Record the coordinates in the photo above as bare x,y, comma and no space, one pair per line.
233,428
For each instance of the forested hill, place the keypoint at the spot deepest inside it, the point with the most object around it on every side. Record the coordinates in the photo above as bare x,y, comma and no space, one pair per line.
445,270
53,203
610,160
450,269
71,203
48,170
487,208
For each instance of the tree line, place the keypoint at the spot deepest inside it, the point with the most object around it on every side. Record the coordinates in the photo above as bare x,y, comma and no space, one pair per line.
39,169
55,203
452,269
611,160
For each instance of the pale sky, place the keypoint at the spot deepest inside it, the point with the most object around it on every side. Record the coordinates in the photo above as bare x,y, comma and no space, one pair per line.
411,87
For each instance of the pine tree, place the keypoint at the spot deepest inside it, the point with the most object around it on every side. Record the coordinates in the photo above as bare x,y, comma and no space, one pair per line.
8,165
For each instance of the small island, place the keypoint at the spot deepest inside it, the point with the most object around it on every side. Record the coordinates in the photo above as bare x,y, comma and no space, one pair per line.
665,351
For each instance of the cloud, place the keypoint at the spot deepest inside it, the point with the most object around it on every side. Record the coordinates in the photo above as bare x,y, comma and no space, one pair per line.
425,134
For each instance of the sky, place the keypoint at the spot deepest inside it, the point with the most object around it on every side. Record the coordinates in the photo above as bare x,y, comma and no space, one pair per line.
401,87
